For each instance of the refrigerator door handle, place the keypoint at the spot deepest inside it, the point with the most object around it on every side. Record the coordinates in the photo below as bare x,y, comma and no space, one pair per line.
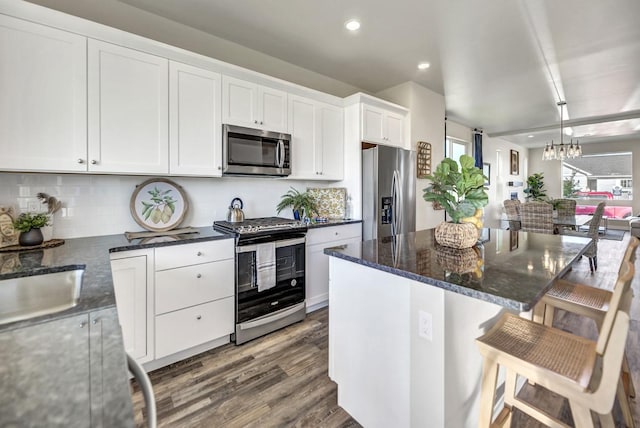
399,203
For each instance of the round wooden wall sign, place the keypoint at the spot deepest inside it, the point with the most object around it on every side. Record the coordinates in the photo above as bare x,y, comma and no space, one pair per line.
159,204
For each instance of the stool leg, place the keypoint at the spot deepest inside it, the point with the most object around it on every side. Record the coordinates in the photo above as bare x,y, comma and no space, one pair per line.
538,312
488,391
631,390
606,421
623,400
548,315
581,415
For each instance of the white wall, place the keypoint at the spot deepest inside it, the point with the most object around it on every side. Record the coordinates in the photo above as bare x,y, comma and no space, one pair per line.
128,18
427,111
96,205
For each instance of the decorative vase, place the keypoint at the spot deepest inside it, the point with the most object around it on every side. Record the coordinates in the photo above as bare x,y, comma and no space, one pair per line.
31,238
456,235
298,214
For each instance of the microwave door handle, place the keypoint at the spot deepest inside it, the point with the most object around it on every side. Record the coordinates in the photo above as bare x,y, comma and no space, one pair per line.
280,153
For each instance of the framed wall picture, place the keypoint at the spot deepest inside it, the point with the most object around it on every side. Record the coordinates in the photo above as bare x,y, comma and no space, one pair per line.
515,163
486,171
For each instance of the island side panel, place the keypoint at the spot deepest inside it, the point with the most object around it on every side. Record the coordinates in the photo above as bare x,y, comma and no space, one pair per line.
466,319
369,347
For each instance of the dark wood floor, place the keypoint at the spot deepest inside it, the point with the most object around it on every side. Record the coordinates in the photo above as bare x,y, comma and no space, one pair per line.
281,379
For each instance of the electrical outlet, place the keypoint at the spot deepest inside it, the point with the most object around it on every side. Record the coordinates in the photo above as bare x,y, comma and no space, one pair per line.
425,325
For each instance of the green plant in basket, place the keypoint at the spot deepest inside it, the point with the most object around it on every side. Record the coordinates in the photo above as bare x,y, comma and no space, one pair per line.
27,221
458,188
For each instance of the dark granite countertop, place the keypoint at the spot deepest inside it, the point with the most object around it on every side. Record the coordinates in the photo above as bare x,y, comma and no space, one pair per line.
92,254
511,269
330,223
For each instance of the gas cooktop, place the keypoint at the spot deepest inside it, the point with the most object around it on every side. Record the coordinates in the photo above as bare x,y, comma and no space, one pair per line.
258,225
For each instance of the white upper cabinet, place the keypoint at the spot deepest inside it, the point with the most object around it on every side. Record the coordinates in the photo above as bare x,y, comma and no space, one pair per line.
254,106
43,88
128,110
383,126
195,121
317,139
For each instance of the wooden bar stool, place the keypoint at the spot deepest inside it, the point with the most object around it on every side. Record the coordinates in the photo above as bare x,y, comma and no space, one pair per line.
587,373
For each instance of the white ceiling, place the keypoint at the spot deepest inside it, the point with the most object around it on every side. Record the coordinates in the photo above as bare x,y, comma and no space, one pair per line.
501,64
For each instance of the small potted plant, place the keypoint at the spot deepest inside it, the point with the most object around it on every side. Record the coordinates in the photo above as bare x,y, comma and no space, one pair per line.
535,190
459,189
301,203
29,224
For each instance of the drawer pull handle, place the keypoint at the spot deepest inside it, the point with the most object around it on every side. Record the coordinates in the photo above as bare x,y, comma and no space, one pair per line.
199,275
199,317
199,253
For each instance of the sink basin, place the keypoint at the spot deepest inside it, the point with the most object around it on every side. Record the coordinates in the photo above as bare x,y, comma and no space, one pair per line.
36,295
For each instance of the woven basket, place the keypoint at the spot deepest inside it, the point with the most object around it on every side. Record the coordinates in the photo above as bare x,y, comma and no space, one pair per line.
456,235
458,260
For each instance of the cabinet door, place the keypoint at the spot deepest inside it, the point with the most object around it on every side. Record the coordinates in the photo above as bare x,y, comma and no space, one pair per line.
272,109
132,295
394,125
372,124
317,272
331,136
302,127
43,87
128,110
40,358
239,102
195,144
109,375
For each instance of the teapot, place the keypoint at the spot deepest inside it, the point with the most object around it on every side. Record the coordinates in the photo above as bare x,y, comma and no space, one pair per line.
235,214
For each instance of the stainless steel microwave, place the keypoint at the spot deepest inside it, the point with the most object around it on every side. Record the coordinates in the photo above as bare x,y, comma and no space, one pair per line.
248,151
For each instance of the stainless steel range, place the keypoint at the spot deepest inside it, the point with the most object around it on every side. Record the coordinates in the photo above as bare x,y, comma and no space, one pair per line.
270,275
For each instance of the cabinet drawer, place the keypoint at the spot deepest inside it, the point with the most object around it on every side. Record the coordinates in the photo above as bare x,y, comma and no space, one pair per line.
191,285
180,330
192,254
335,233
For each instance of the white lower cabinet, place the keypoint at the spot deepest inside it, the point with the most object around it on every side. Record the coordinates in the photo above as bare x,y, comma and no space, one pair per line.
186,328
171,299
317,263
132,273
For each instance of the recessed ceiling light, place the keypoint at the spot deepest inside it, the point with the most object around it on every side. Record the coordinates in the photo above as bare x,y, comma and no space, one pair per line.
530,136
423,66
352,24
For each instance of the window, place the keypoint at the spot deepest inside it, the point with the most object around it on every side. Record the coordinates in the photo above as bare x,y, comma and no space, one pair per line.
593,178
454,148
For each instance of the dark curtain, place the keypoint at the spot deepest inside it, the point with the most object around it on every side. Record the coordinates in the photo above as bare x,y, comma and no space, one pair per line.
477,149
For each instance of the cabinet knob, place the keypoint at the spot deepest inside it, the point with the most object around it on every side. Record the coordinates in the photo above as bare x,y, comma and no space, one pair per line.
82,324
261,123
255,121
95,321
219,167
199,253
336,233
199,275
80,160
199,317
93,161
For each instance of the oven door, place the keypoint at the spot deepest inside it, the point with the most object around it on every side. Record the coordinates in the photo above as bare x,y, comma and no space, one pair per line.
253,151
290,280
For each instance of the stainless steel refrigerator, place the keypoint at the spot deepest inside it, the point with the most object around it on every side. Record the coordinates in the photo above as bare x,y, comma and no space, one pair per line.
388,192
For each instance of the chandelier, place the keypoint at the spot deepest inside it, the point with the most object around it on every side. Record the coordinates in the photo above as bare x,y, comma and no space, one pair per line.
561,151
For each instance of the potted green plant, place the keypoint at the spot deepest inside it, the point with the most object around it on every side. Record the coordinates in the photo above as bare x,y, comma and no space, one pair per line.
535,190
459,189
302,204
29,224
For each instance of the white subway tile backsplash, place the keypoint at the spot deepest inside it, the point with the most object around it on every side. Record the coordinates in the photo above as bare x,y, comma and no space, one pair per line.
95,205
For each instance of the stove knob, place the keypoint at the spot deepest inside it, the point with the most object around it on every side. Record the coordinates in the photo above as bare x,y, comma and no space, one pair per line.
293,282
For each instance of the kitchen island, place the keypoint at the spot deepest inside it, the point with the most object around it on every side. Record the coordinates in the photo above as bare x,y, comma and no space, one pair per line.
404,314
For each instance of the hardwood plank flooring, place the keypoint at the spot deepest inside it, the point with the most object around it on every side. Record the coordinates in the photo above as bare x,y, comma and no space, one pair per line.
280,380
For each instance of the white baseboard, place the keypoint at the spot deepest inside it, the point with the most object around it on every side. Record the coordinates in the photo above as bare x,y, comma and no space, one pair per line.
317,302
174,358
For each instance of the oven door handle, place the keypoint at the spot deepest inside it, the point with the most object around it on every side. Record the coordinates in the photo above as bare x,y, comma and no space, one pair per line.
274,316
279,244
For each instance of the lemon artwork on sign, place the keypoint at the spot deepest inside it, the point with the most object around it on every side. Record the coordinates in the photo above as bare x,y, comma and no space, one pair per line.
160,206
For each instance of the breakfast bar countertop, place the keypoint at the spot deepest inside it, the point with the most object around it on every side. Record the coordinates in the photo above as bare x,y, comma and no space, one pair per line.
510,269
92,254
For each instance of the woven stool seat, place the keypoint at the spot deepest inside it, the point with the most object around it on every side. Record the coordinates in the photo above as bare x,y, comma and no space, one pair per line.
586,296
565,354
